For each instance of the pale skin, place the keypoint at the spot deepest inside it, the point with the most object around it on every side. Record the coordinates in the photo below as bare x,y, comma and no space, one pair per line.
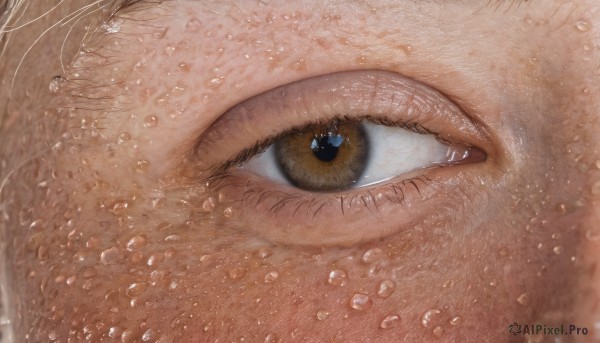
113,235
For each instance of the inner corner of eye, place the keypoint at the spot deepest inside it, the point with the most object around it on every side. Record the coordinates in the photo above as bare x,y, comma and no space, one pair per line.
341,155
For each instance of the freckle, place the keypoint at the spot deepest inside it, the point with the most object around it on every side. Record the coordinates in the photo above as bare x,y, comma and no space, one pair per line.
193,25
184,67
271,277
390,321
428,316
523,299
136,243
360,302
337,277
109,255
322,314
150,121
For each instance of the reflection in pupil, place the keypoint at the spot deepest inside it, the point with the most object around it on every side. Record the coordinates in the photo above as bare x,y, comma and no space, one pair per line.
325,147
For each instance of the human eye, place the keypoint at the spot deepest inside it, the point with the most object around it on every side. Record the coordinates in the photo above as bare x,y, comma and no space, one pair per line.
270,157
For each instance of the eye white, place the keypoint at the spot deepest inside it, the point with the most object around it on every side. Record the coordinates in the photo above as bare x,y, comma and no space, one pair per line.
393,151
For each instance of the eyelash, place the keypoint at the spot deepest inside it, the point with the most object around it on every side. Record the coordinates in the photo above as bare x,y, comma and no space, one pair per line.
224,169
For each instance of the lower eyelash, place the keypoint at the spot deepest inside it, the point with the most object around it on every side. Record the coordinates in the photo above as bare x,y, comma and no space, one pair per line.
392,191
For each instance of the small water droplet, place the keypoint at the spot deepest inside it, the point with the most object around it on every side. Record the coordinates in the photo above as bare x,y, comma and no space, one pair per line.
390,321
150,121
438,331
271,277
228,212
170,50
113,26
557,249
209,205
263,253
148,335
36,224
193,25
136,243
337,277
56,84
456,320
561,208
523,299
142,165
114,332
583,25
172,238
593,235
160,32
135,289
596,188
109,255
598,162
360,302
372,255
271,338
322,315
427,317
52,335
124,137
386,288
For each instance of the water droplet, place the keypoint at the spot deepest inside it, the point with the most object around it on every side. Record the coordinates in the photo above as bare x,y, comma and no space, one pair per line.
263,253
160,32
596,188
127,336
271,277
598,162
150,121
148,335
583,25
456,320
561,208
115,332
360,302
493,283
237,272
109,255
124,137
523,299
438,331
89,272
170,50
337,277
372,255
390,321
209,205
593,235
271,338
136,243
322,315
155,259
52,335
142,165
557,249
36,224
193,25
228,212
56,84
135,289
427,317
386,288
172,238
113,26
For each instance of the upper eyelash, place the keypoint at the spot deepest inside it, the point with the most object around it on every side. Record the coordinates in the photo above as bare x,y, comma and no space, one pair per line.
224,168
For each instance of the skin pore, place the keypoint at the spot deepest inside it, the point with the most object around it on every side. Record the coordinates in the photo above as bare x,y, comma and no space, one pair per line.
111,232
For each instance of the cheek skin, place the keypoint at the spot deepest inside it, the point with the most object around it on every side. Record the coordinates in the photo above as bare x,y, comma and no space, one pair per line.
100,249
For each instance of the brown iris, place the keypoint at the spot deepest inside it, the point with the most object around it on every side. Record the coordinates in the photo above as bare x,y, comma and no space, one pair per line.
323,158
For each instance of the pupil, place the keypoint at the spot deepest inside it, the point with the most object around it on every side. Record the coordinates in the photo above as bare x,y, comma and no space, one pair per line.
326,147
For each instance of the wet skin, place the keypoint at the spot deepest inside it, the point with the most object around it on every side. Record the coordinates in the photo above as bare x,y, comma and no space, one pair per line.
111,232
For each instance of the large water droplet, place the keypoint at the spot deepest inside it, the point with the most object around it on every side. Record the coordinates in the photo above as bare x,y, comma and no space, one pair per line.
372,255
322,315
136,243
109,255
360,302
428,316
583,25
337,277
390,321
114,332
209,205
386,288
56,84
148,335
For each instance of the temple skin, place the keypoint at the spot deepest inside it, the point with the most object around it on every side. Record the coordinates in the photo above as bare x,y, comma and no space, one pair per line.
107,237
